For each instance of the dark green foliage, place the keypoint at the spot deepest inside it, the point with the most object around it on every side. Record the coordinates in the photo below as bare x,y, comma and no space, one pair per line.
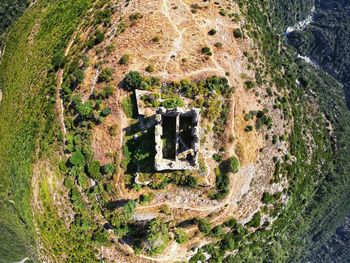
106,92
217,157
248,128
106,111
96,39
237,33
108,169
204,226
77,158
135,16
151,100
124,60
230,165
181,236
173,103
133,80
217,231
94,169
146,198
100,236
150,69
184,179
10,10
157,237
255,221
103,16
267,198
59,59
206,51
212,32
249,84
106,75
99,37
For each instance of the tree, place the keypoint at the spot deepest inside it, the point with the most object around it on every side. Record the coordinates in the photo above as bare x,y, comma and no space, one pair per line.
204,226
237,33
133,80
105,112
234,164
108,169
206,51
255,221
181,236
99,37
77,158
212,32
94,169
267,198
173,103
157,237
124,60
105,75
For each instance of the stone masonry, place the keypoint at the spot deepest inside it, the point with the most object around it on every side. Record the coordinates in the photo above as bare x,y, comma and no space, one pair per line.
186,153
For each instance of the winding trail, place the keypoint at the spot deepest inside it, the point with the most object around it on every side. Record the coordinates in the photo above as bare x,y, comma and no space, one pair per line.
59,100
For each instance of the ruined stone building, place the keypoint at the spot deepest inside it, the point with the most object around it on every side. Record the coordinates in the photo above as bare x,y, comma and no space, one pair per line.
177,139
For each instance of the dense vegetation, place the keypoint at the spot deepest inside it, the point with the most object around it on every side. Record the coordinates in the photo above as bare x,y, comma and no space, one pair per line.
28,121
326,40
319,186
10,10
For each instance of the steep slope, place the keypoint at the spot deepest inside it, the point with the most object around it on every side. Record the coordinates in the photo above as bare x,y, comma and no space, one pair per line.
326,40
27,114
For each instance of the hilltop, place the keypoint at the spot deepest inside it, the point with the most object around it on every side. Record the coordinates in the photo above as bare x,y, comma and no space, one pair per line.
252,159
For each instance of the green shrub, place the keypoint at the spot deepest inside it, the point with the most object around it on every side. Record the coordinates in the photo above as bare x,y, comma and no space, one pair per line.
206,51
133,80
105,112
128,106
181,236
94,169
156,39
218,45
249,84
223,12
125,59
85,110
234,164
146,198
150,68
103,16
204,225
157,237
151,100
173,103
77,158
106,75
212,32
255,221
108,169
217,157
237,33
135,16
267,198
100,236
248,128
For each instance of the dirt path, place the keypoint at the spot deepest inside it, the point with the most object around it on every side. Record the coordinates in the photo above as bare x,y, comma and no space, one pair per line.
59,100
